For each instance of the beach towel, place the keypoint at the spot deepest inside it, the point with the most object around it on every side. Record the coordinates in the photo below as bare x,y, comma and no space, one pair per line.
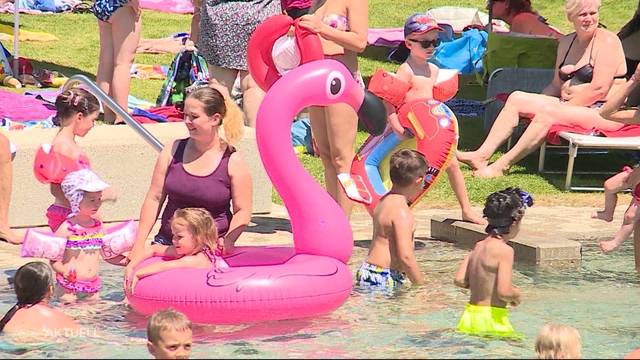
25,35
9,125
626,131
172,44
388,37
54,6
158,114
17,107
144,71
169,6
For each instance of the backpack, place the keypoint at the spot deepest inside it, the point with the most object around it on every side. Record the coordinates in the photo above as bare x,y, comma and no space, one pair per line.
187,68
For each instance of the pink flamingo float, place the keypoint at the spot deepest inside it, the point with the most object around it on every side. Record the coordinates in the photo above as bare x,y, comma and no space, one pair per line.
271,283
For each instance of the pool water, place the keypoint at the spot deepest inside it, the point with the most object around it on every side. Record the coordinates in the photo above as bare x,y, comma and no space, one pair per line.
599,297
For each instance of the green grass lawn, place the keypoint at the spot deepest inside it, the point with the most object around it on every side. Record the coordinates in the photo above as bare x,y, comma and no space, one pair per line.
77,53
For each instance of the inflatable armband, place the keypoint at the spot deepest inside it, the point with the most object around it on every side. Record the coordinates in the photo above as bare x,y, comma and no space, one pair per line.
119,239
388,87
446,86
43,245
51,167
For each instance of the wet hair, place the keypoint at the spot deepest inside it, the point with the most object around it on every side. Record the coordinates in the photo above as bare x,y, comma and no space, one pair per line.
213,103
200,224
163,320
632,26
573,7
558,342
32,283
74,101
502,209
405,166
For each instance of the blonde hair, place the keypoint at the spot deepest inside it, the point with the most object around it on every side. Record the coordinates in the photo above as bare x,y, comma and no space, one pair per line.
573,7
215,103
163,320
558,342
200,224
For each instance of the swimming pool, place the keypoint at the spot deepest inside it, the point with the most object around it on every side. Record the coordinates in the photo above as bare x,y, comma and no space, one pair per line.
599,297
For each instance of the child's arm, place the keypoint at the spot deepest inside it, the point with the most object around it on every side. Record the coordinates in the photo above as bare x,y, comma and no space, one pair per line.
192,261
403,234
506,291
394,121
154,250
405,74
462,278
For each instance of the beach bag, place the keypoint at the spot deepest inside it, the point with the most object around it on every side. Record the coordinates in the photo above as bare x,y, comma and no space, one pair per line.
463,54
511,50
187,68
5,66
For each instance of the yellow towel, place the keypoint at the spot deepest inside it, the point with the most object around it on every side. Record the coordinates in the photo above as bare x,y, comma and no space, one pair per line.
25,35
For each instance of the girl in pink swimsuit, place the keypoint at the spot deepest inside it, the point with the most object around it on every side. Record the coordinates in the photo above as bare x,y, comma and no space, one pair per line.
77,272
195,244
77,109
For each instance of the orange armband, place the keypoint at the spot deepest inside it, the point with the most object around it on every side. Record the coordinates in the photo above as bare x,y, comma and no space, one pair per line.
388,87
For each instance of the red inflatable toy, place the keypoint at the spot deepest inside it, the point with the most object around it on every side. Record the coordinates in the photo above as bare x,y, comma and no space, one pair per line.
259,50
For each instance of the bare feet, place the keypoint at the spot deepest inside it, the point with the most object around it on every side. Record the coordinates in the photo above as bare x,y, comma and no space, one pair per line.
471,216
607,246
490,171
603,215
472,158
11,236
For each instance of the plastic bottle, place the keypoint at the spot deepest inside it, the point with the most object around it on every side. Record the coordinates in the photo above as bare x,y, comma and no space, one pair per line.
8,80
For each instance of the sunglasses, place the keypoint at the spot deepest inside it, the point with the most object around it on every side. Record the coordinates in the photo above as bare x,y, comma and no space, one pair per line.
427,43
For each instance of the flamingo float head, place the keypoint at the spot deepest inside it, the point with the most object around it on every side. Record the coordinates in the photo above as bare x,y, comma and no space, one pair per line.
319,225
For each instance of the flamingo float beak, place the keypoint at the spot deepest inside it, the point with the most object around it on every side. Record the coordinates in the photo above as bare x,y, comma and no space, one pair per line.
372,114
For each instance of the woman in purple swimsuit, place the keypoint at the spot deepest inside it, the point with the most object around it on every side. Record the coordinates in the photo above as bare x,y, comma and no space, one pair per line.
590,66
201,171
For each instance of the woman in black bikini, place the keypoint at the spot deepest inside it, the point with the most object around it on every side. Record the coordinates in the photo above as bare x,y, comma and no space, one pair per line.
590,65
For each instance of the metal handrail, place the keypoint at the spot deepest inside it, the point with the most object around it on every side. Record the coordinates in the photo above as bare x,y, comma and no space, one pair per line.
108,102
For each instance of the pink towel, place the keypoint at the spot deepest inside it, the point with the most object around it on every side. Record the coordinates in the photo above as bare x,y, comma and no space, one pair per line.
389,37
17,107
169,6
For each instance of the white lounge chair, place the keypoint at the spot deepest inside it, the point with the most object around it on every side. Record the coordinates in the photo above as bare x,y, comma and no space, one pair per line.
577,141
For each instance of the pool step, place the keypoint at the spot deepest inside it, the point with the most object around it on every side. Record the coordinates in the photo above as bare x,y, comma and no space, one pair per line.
530,246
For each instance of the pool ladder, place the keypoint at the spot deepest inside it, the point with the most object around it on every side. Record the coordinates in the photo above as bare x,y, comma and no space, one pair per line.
108,102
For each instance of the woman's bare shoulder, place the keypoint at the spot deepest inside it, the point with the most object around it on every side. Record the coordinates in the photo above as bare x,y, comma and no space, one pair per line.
607,37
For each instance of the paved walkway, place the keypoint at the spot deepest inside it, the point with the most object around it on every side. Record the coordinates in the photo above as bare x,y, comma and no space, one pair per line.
274,228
